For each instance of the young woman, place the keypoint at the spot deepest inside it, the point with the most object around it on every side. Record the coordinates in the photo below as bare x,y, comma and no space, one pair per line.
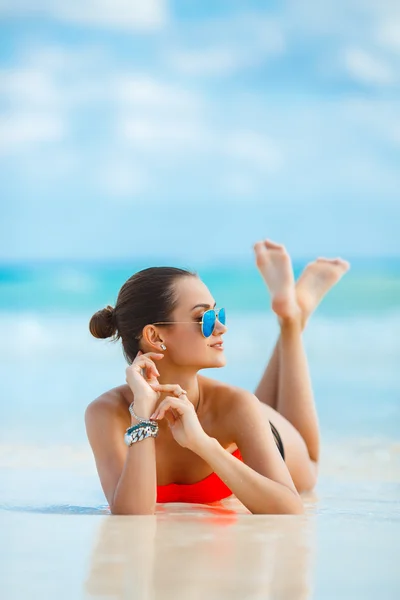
171,435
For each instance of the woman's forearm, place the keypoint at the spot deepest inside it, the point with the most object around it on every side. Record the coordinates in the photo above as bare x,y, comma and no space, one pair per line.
258,493
136,491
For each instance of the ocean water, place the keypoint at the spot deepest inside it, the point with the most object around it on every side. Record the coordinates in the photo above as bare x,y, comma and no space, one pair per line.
57,540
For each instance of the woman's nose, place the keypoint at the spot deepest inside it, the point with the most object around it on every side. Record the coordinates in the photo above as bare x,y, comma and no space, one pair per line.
219,328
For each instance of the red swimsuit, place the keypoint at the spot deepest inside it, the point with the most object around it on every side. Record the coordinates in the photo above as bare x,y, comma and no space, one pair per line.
209,489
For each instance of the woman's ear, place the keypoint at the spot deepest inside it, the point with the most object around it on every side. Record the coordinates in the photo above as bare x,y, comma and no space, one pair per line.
152,337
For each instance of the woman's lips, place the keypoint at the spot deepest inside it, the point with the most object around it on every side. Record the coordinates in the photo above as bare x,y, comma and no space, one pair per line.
217,346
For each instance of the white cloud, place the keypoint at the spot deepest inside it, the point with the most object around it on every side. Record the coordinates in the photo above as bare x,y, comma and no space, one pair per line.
213,61
367,172
150,93
124,14
157,134
223,46
71,59
40,94
169,120
182,141
55,79
378,119
388,34
394,133
350,19
238,185
121,180
109,14
45,165
18,130
28,87
255,149
354,30
366,68
32,113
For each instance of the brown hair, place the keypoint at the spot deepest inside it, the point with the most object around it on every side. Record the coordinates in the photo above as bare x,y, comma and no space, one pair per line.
146,297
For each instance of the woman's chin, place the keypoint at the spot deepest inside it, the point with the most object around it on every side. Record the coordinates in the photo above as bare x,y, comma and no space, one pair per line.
217,362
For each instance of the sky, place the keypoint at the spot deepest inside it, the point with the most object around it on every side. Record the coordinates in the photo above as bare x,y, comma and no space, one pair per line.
133,128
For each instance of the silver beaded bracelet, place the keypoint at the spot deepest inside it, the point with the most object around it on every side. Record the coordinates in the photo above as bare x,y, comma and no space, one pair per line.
134,415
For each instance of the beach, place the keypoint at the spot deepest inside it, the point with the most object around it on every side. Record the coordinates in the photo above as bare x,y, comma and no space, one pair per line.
346,545
58,539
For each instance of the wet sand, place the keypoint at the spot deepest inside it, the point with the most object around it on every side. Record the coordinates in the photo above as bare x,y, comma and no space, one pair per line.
345,546
197,552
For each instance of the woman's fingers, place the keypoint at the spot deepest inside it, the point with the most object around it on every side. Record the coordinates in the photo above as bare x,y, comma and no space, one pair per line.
168,387
151,355
147,359
143,362
170,417
145,365
146,369
178,404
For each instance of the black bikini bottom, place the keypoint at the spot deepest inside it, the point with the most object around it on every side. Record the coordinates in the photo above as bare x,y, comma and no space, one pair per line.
278,440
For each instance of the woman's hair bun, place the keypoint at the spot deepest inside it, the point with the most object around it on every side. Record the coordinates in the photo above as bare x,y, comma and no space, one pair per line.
102,324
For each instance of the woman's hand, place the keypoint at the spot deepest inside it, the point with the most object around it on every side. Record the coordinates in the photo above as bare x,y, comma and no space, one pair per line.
141,376
182,419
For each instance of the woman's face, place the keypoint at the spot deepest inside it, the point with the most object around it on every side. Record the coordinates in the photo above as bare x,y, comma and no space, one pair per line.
186,345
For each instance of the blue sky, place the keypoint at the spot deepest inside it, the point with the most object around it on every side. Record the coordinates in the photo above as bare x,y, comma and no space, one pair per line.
186,129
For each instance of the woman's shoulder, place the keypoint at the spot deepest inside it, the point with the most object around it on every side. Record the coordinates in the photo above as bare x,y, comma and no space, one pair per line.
224,404
116,401
224,395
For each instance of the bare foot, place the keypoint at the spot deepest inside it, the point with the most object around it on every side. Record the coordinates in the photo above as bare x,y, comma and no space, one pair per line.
275,266
316,280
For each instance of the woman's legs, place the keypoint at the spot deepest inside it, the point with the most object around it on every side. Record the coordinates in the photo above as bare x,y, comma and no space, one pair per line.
285,385
268,387
295,396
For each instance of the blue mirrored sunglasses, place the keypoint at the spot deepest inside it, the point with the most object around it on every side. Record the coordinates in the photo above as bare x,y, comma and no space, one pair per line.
209,320
207,323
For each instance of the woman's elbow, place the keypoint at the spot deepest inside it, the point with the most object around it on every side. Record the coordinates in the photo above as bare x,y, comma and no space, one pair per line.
297,509
294,505
289,508
290,504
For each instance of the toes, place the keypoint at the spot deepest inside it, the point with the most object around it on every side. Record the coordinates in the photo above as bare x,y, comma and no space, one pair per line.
261,254
345,264
331,261
259,248
273,245
334,261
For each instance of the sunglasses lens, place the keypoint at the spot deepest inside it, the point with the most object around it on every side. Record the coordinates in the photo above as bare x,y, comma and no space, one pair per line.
222,316
208,323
